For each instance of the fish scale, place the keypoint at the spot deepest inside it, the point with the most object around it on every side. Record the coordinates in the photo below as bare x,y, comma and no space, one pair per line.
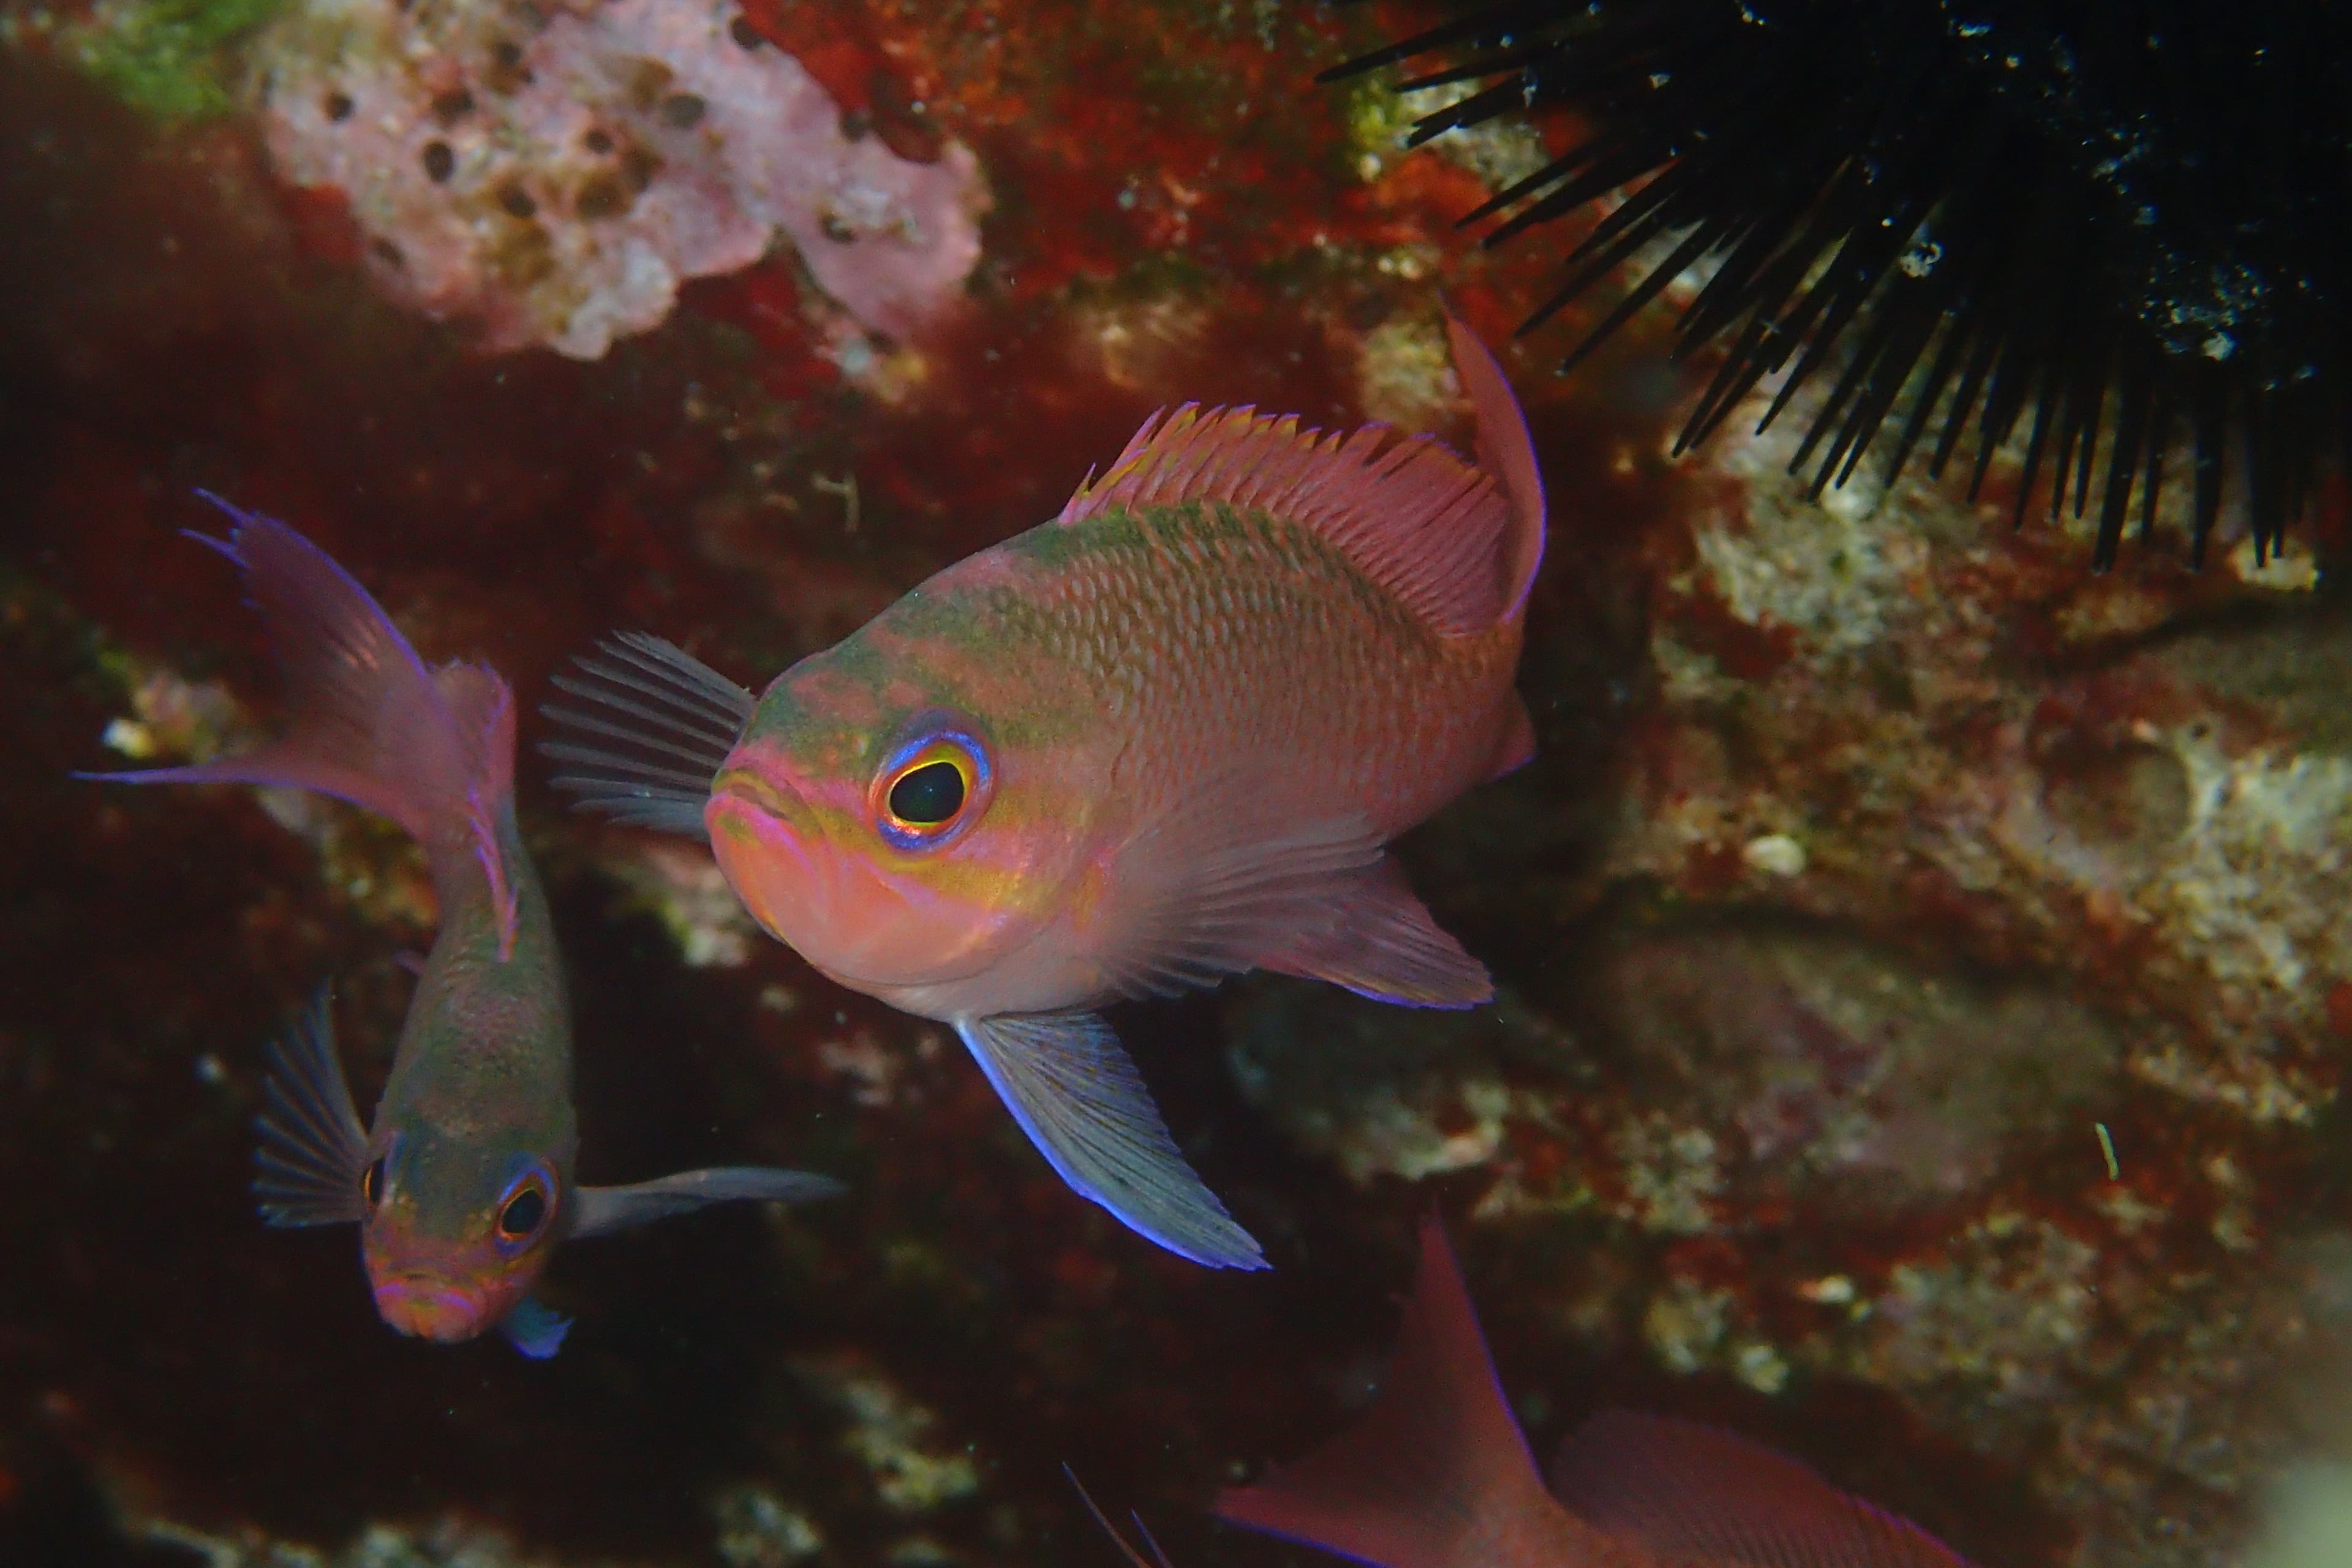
462,1183
1198,624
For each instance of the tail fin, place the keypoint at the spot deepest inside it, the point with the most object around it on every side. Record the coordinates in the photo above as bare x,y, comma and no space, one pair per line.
367,723
1436,1475
1507,452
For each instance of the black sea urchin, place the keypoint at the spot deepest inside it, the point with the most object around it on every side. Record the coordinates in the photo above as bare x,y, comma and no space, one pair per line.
2124,218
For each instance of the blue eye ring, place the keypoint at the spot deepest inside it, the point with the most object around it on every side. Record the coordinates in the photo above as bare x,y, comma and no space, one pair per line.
917,803
525,1211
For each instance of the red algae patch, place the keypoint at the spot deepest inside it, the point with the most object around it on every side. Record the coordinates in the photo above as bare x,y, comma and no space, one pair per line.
1880,874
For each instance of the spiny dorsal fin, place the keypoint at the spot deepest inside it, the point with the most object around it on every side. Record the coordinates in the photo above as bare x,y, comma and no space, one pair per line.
1689,1492
1416,518
1458,544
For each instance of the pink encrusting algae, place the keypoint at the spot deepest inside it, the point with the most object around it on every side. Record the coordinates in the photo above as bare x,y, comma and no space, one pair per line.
1438,1475
1160,740
463,1185
553,178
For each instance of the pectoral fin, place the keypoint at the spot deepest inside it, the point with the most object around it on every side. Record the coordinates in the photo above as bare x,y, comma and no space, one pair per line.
312,1149
1074,1092
1232,879
1379,941
600,1211
535,1330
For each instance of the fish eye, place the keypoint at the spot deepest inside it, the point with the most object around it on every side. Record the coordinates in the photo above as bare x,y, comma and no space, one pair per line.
372,1182
523,1210
522,1213
928,795
930,787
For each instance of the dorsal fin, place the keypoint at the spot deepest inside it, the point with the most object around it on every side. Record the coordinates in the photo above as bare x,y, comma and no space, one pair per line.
1436,1474
1700,1494
1450,540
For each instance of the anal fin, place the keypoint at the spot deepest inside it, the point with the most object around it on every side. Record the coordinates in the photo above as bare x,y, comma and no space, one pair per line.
1382,941
1070,1085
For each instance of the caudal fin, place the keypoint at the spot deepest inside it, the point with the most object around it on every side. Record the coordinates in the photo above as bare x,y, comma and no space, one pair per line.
1691,1493
1436,1474
366,721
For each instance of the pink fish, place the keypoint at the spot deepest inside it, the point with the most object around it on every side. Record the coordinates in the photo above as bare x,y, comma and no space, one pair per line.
462,1186
1437,1474
1159,739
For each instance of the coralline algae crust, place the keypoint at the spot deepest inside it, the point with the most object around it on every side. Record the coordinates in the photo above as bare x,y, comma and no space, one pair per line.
553,178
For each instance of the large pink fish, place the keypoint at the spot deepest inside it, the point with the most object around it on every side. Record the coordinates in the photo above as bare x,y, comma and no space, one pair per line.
462,1185
1437,1474
1159,739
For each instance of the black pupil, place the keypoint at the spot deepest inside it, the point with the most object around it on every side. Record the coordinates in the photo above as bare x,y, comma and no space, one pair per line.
372,1182
523,1213
932,792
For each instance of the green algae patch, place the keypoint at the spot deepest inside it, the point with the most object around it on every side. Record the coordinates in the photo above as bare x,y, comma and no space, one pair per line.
171,58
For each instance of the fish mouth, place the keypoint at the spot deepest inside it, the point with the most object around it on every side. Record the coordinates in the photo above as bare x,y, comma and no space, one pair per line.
743,786
767,846
760,833
427,1307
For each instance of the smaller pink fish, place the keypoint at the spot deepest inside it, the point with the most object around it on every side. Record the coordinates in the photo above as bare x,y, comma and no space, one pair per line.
462,1185
1438,1475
